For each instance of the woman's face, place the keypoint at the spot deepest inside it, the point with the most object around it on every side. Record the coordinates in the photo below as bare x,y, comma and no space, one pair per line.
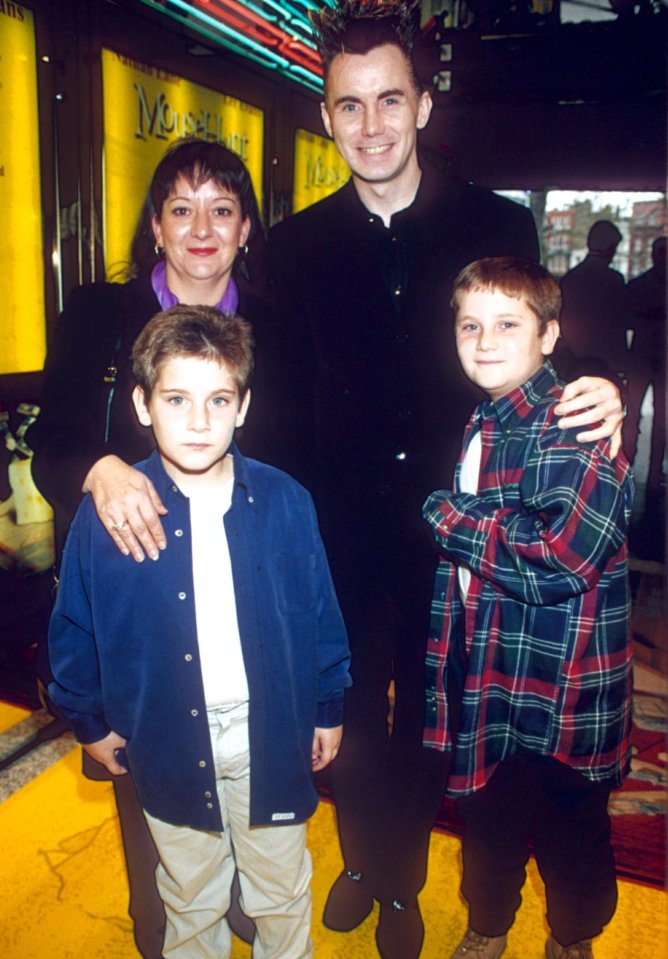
201,231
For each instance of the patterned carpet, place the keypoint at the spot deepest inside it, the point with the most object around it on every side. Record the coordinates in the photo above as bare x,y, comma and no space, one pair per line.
638,810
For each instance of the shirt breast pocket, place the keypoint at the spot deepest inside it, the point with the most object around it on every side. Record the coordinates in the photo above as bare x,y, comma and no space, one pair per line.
296,582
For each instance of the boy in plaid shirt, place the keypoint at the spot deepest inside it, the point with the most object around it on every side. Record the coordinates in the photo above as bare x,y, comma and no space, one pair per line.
530,623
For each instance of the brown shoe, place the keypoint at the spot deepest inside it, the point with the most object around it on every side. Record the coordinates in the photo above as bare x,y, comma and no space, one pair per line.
576,950
475,946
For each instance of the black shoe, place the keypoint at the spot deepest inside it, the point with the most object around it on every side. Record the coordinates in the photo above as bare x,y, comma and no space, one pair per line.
400,931
349,902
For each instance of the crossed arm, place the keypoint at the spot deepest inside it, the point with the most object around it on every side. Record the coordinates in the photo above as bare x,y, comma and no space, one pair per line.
572,521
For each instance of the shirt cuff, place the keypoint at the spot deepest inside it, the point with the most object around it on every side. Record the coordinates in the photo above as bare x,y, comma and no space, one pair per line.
330,714
87,729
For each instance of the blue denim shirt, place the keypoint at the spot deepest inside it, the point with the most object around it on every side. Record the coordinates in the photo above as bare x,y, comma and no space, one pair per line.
124,653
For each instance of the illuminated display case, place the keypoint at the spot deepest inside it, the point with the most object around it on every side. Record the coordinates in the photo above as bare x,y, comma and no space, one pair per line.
22,331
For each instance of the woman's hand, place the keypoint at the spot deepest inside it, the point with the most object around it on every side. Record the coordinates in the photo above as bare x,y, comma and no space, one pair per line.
128,506
593,401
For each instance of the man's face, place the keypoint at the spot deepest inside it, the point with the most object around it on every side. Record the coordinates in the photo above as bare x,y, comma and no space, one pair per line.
373,112
498,340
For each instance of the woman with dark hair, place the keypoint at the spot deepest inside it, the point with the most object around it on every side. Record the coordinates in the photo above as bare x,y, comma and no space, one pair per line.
198,161
199,215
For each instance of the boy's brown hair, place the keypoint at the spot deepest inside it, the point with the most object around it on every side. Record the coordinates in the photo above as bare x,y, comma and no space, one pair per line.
198,331
515,277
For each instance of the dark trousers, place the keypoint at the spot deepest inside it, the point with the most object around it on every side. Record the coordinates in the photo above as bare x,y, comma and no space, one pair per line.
566,816
141,858
387,787
640,379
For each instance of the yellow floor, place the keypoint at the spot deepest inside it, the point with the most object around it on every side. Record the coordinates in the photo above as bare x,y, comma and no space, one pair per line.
64,895
11,714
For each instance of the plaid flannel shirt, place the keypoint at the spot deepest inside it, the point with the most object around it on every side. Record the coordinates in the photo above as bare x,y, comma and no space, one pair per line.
541,647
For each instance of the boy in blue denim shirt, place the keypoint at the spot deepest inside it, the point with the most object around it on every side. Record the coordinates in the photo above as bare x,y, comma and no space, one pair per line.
217,673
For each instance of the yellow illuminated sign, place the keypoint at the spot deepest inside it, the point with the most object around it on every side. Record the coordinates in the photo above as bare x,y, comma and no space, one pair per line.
146,109
22,325
319,169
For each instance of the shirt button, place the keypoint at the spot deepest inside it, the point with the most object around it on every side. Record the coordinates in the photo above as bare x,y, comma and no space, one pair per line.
194,712
188,657
202,763
397,291
178,532
250,499
182,595
174,489
401,456
209,805
207,795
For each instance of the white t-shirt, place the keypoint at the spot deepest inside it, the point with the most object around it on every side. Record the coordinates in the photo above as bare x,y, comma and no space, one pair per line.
468,482
223,667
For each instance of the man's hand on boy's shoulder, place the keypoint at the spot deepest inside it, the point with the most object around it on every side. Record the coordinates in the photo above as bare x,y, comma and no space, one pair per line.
326,744
106,751
593,401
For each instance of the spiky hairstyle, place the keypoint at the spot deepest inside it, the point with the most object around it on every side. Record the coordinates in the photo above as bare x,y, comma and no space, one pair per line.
357,26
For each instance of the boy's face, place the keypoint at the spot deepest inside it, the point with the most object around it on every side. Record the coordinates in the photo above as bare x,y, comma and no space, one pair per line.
373,112
498,342
194,410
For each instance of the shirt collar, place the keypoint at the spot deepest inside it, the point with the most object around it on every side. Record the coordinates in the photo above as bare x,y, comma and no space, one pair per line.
516,405
360,212
165,484
167,299
434,185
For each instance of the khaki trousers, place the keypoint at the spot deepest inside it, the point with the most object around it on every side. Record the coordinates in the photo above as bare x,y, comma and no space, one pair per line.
196,868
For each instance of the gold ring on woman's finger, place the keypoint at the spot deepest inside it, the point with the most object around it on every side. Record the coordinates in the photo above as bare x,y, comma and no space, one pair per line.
119,526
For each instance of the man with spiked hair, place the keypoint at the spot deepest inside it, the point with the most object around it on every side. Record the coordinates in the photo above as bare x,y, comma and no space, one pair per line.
367,271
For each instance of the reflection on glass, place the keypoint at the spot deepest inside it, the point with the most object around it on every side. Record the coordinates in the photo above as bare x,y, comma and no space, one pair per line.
563,218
